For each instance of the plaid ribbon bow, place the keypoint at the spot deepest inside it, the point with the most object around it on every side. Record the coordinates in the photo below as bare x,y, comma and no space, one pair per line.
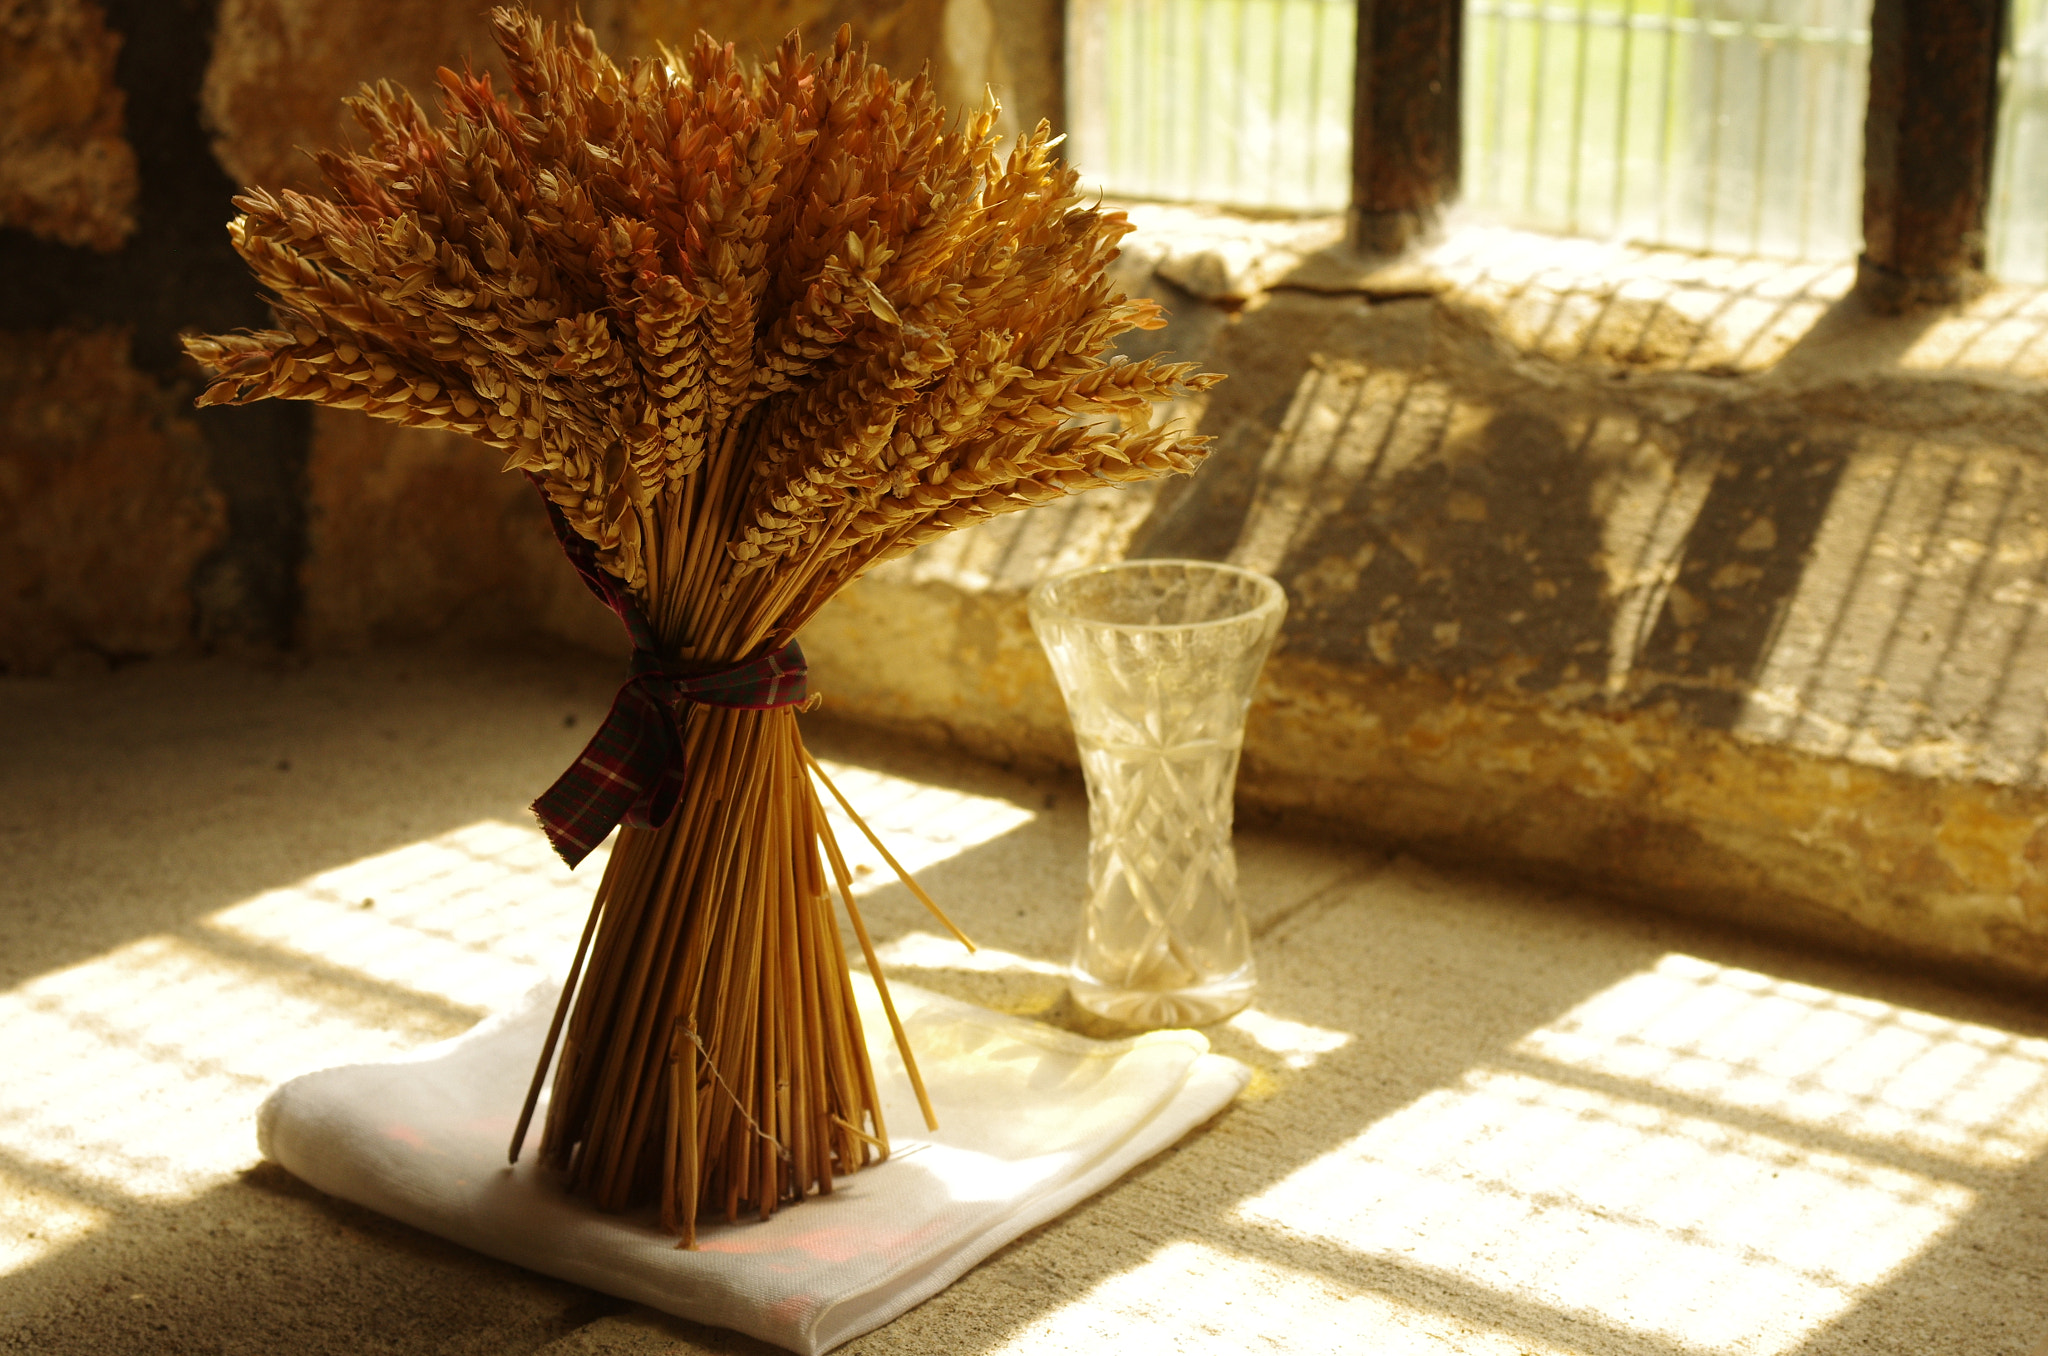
632,771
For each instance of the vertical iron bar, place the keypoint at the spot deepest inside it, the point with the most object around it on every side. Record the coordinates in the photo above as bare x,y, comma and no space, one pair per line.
1628,48
1808,163
1120,90
1844,164
1166,63
1198,168
1243,68
1578,132
1664,121
1274,101
1155,134
1536,82
1713,194
1497,146
1087,52
1136,52
1311,180
1104,73
1405,154
1765,65
1080,88
1132,116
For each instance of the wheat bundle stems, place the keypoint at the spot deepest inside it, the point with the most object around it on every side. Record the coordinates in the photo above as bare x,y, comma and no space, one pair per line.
751,331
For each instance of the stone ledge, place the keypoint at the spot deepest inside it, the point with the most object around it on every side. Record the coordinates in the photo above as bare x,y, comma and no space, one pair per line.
1749,637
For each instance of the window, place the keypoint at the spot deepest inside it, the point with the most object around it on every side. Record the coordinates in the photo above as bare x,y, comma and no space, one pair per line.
2018,229
1799,129
1733,126
1245,103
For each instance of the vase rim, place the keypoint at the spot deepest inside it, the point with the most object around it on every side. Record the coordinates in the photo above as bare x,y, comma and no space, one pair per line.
1272,597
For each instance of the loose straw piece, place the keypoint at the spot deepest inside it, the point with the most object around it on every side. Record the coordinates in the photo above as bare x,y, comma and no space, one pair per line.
692,1183
850,1128
547,1052
887,856
867,949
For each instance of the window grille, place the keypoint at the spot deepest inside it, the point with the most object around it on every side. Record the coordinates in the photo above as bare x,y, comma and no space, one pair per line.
1243,103
1731,126
1734,126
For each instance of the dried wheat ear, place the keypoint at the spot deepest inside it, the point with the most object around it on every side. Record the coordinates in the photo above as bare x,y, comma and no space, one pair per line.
753,331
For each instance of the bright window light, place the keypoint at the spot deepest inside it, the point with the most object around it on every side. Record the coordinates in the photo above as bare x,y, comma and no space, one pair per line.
1857,1067
1296,1043
1194,1300
1652,1163
1246,102
35,1220
1735,128
135,1076
2018,212
476,916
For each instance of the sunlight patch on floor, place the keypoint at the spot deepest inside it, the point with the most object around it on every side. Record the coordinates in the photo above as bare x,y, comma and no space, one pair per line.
1298,1044
1854,1066
1701,1153
135,1076
139,1072
1194,1300
34,1219
1598,1205
476,916
1295,1045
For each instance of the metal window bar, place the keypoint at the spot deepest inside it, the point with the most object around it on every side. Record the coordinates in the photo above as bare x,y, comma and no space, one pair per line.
1733,126
2016,224
1243,103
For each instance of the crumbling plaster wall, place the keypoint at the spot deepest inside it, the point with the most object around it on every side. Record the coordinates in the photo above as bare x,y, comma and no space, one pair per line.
66,170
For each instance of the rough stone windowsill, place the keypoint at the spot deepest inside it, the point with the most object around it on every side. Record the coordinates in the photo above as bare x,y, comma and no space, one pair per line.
1680,576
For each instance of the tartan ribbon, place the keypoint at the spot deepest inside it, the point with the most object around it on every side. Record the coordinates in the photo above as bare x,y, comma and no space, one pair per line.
632,770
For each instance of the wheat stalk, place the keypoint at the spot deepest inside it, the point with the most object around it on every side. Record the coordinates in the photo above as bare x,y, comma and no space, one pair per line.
753,331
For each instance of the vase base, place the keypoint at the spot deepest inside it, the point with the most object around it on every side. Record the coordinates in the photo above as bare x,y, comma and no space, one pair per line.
1151,1009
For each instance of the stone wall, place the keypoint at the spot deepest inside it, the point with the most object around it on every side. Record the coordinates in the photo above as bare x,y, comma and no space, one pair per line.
66,171
106,506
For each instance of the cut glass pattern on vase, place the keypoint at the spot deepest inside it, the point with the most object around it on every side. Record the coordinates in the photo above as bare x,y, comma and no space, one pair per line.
1157,660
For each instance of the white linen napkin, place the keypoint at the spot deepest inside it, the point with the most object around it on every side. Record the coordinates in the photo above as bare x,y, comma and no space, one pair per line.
1032,1121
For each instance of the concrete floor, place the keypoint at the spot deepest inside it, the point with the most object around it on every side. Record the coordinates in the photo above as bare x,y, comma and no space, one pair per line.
1485,1118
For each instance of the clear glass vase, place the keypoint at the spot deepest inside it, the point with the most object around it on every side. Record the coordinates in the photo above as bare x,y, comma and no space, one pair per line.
1157,660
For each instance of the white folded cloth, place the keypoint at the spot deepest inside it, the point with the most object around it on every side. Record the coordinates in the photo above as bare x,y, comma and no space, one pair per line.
1032,1121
